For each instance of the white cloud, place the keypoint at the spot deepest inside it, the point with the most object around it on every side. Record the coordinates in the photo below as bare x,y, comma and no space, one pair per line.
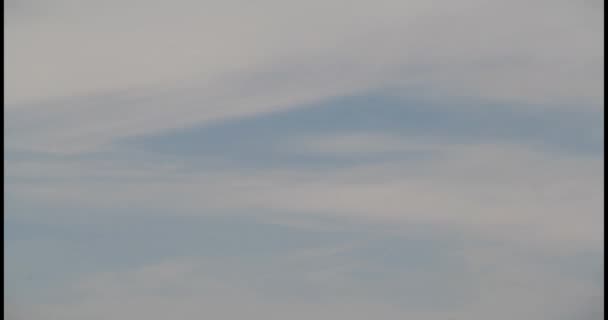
194,288
497,191
239,59
81,75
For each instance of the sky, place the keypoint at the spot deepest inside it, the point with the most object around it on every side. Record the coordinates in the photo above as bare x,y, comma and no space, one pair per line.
331,159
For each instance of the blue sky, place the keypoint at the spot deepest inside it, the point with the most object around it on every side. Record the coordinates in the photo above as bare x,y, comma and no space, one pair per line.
390,160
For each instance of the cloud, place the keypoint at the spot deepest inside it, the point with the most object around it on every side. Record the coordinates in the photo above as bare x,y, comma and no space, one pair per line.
96,90
503,191
96,53
188,288
237,60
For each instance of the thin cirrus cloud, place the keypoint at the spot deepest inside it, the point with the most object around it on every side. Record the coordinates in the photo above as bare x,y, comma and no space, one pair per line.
313,159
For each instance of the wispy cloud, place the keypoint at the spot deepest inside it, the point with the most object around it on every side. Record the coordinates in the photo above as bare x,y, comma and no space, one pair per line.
543,52
312,159
494,189
189,287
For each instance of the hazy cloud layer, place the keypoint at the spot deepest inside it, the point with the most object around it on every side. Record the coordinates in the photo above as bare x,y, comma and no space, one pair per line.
313,159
